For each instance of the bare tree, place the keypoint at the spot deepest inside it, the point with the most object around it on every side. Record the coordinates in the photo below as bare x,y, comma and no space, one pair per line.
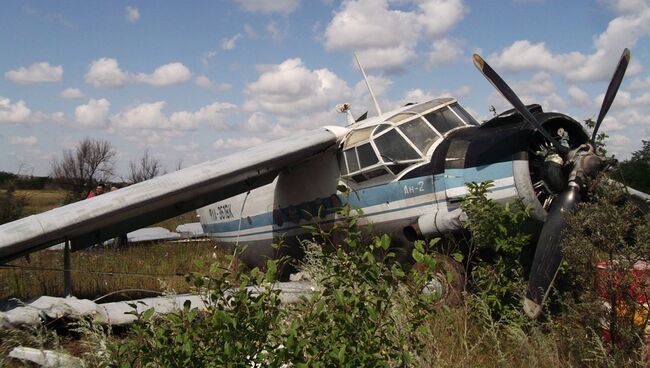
146,168
80,169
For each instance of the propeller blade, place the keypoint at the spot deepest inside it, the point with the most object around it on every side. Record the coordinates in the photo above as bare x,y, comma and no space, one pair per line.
612,89
548,254
511,96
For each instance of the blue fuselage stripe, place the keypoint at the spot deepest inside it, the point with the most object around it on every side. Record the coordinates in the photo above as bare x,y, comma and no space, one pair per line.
371,196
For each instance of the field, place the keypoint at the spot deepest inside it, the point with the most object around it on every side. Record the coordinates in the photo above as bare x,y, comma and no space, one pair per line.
140,269
41,200
448,336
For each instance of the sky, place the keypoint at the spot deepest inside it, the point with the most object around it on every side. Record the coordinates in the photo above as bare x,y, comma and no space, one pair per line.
193,81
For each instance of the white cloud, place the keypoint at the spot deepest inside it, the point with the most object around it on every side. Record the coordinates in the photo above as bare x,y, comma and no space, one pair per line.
15,113
445,51
250,31
388,37
236,143
439,16
151,116
623,31
229,43
71,94
277,34
132,14
523,55
618,141
627,6
106,73
190,147
143,116
290,89
93,114
24,141
205,83
265,6
578,96
166,75
366,24
638,84
213,114
36,73
539,89
386,57
208,57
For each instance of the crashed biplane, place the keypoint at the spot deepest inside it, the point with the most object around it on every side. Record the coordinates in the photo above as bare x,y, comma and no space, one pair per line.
407,167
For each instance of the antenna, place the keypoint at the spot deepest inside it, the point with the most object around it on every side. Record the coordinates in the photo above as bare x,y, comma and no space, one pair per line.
365,78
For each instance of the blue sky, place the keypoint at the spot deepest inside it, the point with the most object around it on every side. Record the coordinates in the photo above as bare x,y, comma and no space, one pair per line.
195,80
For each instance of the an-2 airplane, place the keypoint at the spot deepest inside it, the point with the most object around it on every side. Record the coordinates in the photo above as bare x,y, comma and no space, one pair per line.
408,169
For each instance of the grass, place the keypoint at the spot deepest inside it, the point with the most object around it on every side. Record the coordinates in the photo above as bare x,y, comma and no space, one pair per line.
158,267
41,200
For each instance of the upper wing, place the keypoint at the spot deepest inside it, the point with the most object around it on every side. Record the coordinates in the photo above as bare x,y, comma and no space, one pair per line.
94,220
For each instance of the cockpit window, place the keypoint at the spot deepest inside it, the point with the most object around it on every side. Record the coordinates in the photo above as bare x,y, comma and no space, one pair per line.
367,156
469,119
393,147
399,117
358,136
381,128
351,159
443,120
418,132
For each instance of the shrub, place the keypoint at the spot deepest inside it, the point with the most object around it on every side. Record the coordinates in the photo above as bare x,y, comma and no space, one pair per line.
233,331
365,311
496,241
609,300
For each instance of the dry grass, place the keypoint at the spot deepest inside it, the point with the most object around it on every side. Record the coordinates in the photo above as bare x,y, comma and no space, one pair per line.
467,337
41,200
172,223
159,267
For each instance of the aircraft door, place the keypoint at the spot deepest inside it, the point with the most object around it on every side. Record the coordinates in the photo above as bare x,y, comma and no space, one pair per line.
454,180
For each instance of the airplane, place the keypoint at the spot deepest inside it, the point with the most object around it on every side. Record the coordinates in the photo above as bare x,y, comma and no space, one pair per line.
407,170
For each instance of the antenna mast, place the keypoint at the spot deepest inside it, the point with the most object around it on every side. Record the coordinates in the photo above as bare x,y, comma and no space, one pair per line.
365,78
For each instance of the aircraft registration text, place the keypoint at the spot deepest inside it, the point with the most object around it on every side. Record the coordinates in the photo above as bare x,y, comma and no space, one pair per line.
222,212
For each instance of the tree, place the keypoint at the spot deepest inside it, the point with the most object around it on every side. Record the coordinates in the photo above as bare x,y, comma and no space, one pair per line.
636,170
80,169
600,137
144,169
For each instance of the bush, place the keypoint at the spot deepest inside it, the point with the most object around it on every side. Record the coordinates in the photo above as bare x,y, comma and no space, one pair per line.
609,300
365,311
496,241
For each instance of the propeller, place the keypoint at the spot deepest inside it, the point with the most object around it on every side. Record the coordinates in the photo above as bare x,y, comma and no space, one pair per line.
585,164
612,89
511,96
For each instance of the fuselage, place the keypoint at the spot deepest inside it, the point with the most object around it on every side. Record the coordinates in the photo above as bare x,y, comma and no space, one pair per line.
406,171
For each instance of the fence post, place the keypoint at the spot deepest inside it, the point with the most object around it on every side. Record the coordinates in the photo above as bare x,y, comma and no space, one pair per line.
67,272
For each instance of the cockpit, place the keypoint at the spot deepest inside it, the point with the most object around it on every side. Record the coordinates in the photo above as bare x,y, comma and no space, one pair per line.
387,149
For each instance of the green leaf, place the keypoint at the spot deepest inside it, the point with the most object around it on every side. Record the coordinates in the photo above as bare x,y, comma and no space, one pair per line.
458,257
419,246
417,255
146,315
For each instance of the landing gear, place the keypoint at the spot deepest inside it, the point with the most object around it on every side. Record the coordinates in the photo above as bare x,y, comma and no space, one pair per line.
448,280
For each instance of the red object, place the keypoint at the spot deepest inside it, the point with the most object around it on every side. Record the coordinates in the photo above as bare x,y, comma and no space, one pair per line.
638,279
639,289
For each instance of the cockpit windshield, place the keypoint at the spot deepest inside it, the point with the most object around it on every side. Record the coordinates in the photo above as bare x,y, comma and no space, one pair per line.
404,139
